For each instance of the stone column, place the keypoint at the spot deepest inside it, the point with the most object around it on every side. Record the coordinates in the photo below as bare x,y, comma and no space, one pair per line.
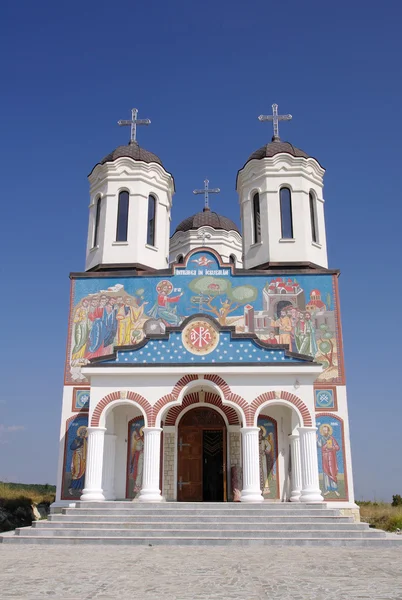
109,456
309,465
93,472
296,482
150,491
251,491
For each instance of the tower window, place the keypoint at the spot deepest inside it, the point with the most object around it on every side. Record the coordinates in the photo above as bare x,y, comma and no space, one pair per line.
122,217
232,259
151,221
256,219
97,220
286,214
313,217
180,259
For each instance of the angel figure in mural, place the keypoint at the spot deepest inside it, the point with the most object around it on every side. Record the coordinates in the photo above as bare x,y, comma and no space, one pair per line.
78,461
266,451
162,308
329,447
137,458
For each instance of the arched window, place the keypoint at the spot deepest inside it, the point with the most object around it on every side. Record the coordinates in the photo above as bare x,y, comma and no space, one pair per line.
232,259
97,219
313,217
122,217
151,221
180,259
256,219
286,214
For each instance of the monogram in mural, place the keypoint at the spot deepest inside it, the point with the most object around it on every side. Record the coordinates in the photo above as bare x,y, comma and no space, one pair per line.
295,310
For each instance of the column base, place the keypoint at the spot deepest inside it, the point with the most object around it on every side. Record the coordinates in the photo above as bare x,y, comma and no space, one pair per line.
150,496
251,496
109,496
92,496
295,496
311,496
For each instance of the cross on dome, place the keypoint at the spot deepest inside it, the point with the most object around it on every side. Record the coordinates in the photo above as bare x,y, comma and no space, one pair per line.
133,123
275,118
206,191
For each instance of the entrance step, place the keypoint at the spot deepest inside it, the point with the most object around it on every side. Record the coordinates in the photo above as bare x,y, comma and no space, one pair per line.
200,523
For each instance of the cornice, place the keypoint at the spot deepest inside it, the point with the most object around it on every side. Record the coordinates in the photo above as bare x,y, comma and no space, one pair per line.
131,170
279,165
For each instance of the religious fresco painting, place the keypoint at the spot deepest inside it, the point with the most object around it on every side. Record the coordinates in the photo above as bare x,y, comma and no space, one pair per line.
296,310
331,459
135,457
325,399
268,450
75,456
80,400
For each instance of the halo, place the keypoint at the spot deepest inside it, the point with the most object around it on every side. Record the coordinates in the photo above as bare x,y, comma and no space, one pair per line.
329,428
264,431
141,432
82,427
164,283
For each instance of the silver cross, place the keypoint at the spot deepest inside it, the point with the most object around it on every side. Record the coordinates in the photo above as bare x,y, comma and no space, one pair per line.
206,191
275,118
133,123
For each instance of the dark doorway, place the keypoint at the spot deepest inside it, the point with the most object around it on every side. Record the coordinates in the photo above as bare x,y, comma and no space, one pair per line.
213,468
201,458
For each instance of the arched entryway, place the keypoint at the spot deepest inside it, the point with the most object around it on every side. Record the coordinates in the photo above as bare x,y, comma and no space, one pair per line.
201,456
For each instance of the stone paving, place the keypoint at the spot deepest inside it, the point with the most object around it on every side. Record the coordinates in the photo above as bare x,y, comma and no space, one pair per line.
204,573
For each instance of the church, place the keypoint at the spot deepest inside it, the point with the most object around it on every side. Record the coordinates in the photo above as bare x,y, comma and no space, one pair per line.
205,365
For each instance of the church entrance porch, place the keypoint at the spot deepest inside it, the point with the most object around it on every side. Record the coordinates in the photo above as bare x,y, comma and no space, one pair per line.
201,457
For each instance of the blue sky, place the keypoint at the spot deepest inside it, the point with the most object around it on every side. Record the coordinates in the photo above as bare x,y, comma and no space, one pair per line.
203,72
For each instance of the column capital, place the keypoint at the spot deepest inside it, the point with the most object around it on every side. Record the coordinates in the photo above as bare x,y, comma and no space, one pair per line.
294,436
96,429
306,429
249,429
152,430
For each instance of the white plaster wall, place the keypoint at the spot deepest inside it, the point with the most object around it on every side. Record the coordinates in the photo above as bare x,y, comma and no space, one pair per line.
140,180
267,176
226,243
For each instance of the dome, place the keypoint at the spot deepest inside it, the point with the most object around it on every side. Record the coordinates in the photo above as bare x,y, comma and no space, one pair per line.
207,217
131,151
278,147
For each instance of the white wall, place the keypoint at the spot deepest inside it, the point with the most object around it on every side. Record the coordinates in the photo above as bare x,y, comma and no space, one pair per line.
226,243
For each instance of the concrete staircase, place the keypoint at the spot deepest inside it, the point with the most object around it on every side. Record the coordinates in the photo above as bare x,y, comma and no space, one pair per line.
200,523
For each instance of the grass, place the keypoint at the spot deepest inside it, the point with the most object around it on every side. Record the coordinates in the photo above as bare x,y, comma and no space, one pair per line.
381,515
32,493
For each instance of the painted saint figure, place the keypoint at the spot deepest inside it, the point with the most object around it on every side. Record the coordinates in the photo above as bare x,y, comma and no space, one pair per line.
285,329
329,447
137,458
78,461
266,450
81,329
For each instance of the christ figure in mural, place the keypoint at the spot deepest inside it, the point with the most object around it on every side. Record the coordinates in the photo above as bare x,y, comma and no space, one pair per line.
162,308
329,447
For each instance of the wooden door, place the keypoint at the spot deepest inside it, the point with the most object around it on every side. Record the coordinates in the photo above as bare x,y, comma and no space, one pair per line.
189,465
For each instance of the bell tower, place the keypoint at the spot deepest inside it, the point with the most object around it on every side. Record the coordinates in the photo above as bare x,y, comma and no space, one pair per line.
282,205
130,205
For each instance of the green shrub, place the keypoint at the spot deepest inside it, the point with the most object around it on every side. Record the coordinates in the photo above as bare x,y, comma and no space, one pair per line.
397,500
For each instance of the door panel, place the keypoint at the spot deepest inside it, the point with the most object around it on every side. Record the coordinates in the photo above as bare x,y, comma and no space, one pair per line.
189,465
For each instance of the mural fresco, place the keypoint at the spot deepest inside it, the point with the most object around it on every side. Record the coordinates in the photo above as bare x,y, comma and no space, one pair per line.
75,455
135,457
80,400
331,461
297,310
268,448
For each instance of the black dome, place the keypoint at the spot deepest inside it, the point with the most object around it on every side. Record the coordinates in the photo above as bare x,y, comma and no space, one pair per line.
278,147
207,217
131,151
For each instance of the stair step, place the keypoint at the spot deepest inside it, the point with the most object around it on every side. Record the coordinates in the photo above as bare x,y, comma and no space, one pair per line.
210,519
240,526
177,506
201,534
196,541
99,512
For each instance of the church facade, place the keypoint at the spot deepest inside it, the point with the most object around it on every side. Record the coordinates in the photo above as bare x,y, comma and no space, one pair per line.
205,366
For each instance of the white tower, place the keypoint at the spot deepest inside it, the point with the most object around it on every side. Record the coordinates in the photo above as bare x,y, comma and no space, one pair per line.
129,212
207,229
282,205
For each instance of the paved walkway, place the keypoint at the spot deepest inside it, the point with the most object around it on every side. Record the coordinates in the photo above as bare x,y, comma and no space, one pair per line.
190,573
